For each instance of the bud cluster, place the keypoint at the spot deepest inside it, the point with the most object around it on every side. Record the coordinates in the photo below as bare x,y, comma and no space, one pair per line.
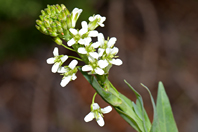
55,20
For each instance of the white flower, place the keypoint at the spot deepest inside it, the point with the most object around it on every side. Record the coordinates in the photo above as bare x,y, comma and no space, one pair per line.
111,53
57,60
95,66
75,14
81,35
99,20
68,72
97,113
89,49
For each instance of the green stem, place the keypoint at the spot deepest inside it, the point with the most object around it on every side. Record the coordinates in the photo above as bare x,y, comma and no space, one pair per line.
68,47
94,98
75,58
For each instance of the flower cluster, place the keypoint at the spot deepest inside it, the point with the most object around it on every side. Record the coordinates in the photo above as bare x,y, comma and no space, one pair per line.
98,56
60,24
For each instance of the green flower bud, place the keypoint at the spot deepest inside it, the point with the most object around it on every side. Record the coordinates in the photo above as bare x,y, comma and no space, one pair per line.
38,27
43,12
48,11
58,41
43,29
46,24
49,29
53,10
59,28
64,25
41,17
58,8
63,7
54,29
69,21
58,23
63,15
39,22
53,34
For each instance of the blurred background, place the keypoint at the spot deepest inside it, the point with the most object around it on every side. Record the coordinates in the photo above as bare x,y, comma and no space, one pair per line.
158,41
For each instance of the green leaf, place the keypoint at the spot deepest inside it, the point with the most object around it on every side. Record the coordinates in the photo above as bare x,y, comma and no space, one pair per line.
164,111
140,111
155,126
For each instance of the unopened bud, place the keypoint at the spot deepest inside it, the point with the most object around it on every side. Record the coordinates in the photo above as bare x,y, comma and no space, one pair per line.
59,29
64,25
58,8
43,29
58,41
39,22
53,34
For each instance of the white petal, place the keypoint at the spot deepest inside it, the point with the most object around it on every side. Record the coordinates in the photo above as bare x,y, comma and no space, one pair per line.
106,109
87,68
73,64
50,60
108,50
111,42
89,117
83,31
76,10
55,52
94,55
71,42
65,81
101,38
103,63
85,41
117,62
99,71
55,67
95,45
100,52
64,58
82,50
74,77
91,18
100,121
62,70
114,50
84,25
93,33
95,106
91,59
73,31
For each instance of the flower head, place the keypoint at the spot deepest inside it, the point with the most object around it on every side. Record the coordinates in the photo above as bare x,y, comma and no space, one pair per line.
97,113
82,35
68,72
96,21
95,66
57,60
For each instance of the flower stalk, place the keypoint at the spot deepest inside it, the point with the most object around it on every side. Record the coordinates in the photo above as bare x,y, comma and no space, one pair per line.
98,57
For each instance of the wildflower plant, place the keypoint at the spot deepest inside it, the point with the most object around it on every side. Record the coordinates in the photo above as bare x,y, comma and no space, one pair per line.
98,58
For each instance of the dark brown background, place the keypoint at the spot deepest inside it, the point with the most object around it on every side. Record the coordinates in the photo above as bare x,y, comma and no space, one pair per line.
157,41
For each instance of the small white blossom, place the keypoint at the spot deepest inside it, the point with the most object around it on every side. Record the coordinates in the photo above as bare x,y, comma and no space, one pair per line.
95,66
75,15
99,20
89,49
57,60
81,35
68,72
97,113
